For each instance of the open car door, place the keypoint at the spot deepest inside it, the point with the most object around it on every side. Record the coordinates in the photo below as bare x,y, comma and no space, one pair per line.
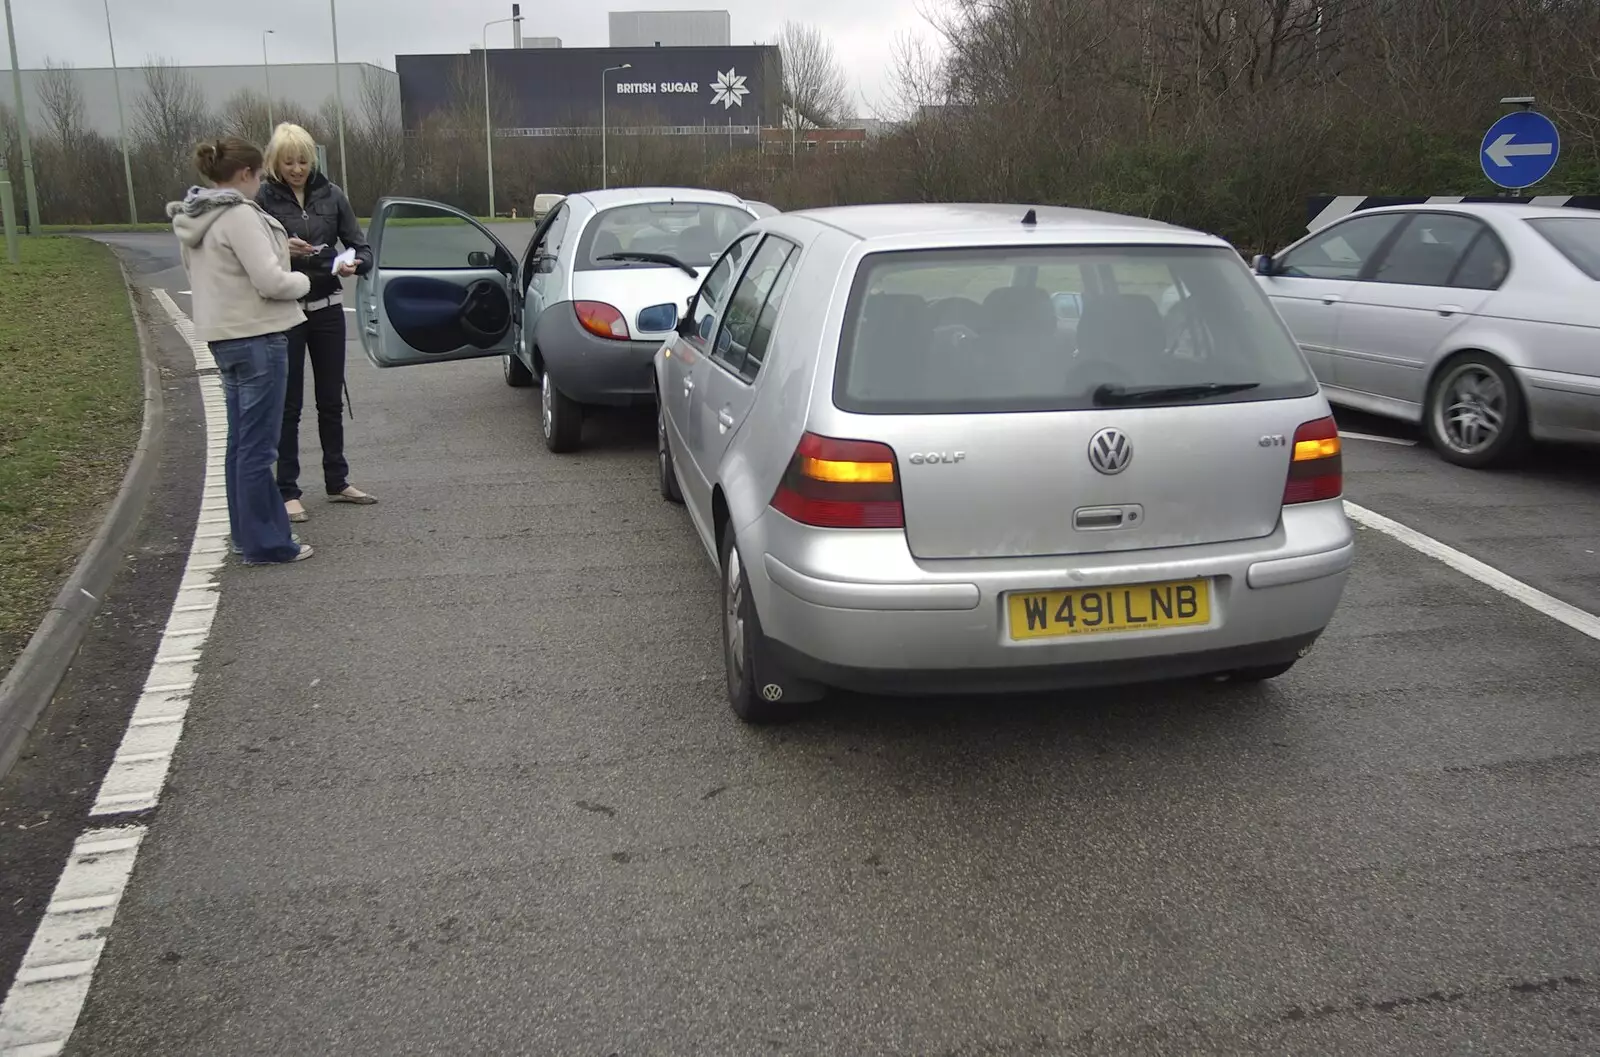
442,287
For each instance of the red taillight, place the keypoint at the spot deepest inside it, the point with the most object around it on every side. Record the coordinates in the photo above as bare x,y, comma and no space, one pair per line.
1316,467
841,484
601,319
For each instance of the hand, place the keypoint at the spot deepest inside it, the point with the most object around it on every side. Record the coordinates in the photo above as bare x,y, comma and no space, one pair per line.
346,269
301,248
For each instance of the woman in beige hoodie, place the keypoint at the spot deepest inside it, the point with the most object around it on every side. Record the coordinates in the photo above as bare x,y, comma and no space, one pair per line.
245,299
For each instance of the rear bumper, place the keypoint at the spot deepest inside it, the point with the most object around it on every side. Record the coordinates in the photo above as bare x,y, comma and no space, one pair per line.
1035,678
1562,407
591,369
933,625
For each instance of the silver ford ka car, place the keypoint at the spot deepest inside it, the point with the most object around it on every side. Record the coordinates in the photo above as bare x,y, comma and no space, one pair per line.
918,473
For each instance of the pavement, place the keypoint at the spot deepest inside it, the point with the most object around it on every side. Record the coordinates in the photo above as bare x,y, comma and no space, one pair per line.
466,782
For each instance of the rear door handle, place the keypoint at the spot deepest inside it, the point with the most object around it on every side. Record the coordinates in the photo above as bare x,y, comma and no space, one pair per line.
688,385
1331,299
725,420
1448,310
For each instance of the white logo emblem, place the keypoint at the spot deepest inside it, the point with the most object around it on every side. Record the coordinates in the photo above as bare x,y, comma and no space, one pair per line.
729,89
1110,451
772,692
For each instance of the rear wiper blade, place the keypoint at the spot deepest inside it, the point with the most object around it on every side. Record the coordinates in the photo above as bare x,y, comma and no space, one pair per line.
651,258
1112,395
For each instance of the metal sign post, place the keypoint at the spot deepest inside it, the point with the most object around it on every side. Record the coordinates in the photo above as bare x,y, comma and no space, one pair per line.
8,208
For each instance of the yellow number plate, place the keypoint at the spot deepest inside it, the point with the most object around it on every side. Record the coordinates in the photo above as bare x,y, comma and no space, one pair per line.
1097,610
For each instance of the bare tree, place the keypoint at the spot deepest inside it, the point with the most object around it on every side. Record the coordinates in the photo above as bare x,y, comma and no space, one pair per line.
815,93
61,102
169,118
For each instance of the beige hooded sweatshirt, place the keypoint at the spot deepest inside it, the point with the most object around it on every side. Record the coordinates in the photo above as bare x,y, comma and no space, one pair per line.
237,258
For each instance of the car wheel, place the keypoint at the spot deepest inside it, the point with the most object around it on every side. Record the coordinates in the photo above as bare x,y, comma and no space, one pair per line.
1260,674
757,694
515,372
1477,416
561,418
664,461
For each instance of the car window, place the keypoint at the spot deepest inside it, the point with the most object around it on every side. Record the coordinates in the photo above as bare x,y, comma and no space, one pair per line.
1427,250
715,288
1484,266
737,333
978,330
1340,252
557,230
1578,239
426,236
692,232
756,353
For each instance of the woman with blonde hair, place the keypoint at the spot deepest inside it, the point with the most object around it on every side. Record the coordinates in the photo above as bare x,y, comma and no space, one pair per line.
244,300
316,214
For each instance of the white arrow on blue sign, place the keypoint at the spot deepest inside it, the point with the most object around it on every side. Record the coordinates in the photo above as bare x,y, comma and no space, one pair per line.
1520,149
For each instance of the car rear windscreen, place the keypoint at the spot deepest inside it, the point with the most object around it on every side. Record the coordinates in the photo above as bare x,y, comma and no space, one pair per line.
1060,329
1578,239
695,233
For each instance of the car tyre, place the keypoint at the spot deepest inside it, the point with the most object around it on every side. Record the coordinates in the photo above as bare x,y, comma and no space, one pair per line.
560,417
759,694
667,466
1476,414
515,372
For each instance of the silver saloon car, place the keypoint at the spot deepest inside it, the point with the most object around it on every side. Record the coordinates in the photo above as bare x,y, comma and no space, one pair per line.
1479,322
916,473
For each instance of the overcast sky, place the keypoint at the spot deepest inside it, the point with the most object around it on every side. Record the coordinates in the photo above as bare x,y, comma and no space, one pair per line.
224,32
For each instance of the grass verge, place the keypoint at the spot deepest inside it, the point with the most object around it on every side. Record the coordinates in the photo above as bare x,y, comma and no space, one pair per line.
71,404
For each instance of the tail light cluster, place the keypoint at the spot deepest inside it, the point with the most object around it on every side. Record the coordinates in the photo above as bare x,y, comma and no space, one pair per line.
841,484
601,320
1316,468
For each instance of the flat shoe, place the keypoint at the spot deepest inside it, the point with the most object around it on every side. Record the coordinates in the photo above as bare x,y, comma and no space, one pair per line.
354,495
297,510
305,552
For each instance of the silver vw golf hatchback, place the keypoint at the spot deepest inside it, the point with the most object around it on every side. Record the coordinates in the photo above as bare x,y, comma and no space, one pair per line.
973,448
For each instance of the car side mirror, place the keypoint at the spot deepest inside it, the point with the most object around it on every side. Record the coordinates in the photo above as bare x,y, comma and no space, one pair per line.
1262,264
480,259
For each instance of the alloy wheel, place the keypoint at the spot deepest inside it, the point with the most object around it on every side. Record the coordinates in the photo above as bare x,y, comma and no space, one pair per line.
1470,411
546,410
733,602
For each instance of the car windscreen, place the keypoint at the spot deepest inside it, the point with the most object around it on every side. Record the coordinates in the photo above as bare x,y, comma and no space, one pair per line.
1578,239
695,233
1060,328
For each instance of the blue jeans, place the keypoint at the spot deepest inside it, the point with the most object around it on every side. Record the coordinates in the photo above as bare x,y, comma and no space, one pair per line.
254,379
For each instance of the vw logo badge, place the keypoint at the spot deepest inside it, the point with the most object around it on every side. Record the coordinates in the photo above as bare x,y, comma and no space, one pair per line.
772,692
1110,451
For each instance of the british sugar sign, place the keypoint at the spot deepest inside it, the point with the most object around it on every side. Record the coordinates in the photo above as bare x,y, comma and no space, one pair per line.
564,87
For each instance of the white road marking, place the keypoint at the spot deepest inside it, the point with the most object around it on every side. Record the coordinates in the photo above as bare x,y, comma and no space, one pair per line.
1570,615
1377,439
44,1002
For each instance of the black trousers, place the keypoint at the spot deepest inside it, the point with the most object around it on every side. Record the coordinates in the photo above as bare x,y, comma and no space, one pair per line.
321,339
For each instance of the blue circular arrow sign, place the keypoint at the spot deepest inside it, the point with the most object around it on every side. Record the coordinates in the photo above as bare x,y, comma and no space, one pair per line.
1520,149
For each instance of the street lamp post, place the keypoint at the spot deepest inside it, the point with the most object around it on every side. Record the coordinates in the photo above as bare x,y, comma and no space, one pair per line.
488,121
122,121
31,188
605,170
338,94
266,71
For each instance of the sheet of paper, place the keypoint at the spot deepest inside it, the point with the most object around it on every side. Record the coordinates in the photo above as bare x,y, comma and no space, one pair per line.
347,257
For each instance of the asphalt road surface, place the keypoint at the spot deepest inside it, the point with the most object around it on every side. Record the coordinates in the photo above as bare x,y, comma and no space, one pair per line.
466,783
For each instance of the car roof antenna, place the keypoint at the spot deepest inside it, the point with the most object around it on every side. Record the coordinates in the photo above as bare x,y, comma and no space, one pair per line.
1030,218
